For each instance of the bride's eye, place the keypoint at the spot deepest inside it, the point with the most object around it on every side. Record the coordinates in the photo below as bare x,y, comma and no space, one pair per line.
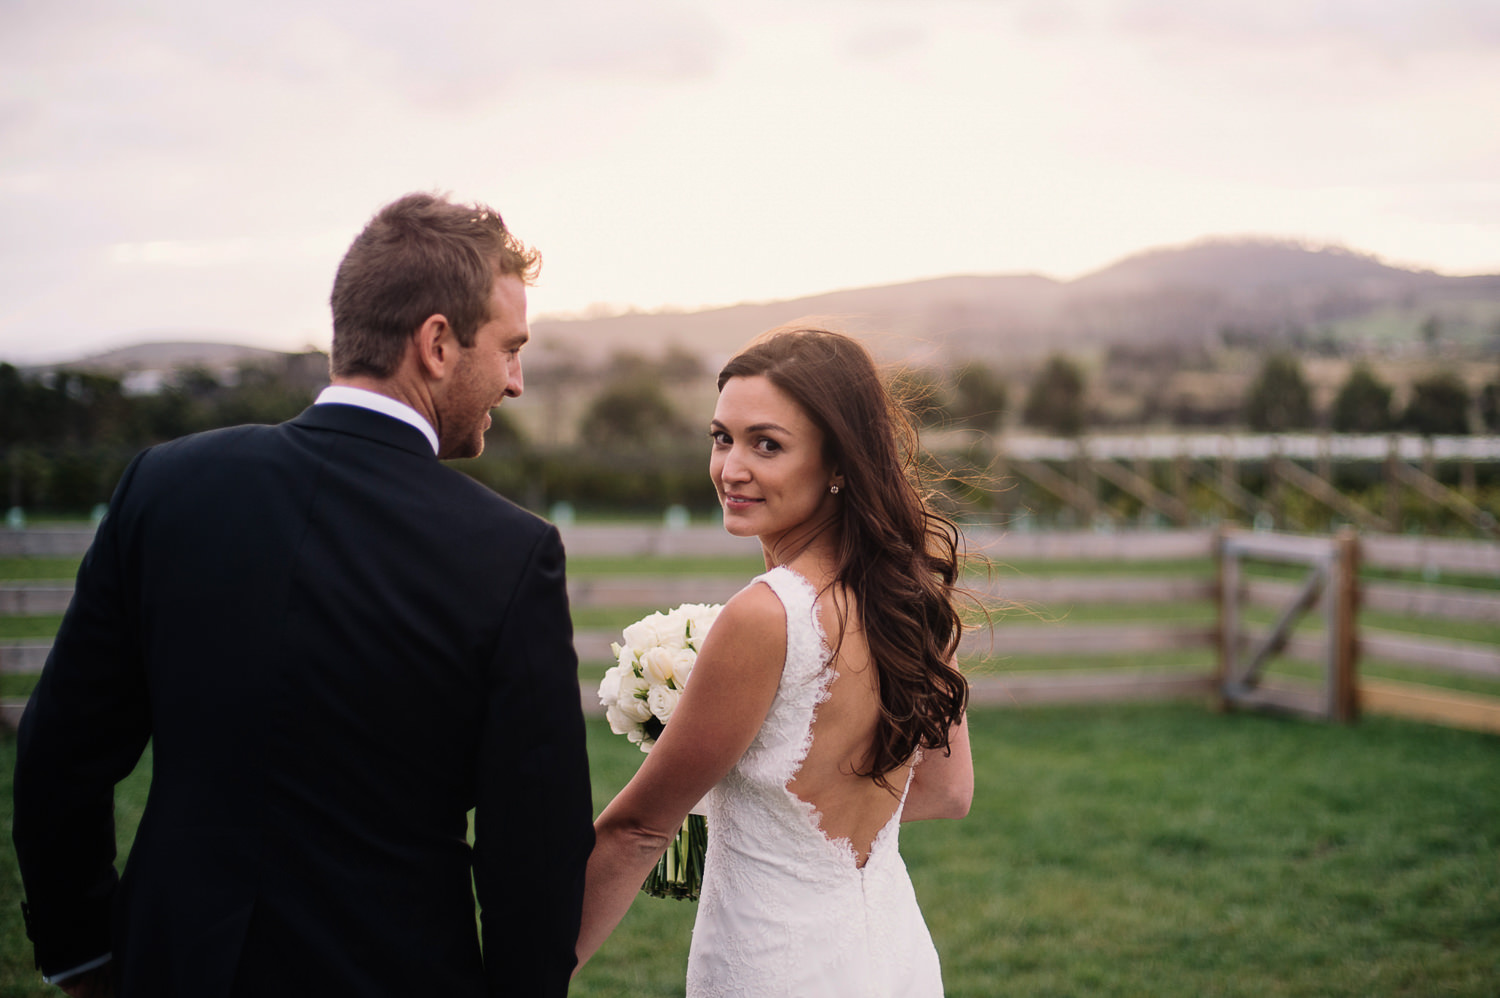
767,445
719,437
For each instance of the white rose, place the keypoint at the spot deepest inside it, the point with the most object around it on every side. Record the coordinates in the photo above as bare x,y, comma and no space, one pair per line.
609,686
658,630
682,667
696,610
672,629
701,619
637,710
663,701
657,665
619,722
633,691
642,634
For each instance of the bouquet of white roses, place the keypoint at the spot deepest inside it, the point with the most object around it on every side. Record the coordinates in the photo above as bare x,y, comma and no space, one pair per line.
639,693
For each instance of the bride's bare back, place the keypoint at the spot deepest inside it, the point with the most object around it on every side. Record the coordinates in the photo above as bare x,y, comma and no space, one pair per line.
849,807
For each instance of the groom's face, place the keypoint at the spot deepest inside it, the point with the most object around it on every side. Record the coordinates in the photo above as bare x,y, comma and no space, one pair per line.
487,372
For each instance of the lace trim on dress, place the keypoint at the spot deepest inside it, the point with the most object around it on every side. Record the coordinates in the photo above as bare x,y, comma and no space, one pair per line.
827,674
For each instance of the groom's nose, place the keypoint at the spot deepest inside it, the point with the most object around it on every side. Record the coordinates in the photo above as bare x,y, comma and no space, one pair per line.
515,384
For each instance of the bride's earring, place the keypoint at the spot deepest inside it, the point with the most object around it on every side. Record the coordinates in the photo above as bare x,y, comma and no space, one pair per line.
834,489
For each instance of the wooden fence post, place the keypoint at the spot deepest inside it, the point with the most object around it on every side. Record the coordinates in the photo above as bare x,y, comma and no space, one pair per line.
1274,498
1343,594
1227,578
1392,486
1088,485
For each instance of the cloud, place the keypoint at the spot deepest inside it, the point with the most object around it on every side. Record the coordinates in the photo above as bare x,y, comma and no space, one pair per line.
166,75
878,42
181,163
1379,26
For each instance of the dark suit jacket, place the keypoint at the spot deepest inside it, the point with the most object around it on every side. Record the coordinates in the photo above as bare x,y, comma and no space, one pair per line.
338,646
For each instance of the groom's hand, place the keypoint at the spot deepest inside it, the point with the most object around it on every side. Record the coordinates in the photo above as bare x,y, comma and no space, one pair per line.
96,983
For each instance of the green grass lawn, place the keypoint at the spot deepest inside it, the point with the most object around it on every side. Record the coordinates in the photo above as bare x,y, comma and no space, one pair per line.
1159,850
39,569
1113,850
41,628
746,568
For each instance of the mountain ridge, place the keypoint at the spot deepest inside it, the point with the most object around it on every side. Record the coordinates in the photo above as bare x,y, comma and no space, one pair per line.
1259,286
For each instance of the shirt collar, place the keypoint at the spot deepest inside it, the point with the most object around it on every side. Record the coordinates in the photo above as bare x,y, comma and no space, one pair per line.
366,399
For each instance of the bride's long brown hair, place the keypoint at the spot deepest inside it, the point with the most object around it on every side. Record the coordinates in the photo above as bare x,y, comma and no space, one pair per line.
896,556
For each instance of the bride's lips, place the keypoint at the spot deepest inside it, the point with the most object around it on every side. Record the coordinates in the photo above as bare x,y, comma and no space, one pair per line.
732,501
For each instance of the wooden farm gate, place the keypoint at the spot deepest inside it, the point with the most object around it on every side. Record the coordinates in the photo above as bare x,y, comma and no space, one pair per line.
1331,581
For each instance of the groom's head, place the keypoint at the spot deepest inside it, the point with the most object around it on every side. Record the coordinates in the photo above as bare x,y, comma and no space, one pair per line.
421,256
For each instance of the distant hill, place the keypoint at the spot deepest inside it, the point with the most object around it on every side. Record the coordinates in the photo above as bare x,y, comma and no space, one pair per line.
921,317
1185,295
1181,295
147,367
167,355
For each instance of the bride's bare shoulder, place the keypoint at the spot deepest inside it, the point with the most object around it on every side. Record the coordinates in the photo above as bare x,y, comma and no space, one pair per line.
756,605
754,615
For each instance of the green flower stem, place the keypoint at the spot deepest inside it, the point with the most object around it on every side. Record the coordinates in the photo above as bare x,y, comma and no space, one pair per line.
679,872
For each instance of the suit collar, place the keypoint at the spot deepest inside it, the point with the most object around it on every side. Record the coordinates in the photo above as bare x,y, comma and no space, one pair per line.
390,405
360,422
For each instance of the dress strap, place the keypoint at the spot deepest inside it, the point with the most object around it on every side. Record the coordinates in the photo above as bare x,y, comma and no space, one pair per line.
806,645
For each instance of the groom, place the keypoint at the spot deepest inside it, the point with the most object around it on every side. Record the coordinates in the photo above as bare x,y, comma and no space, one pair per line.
337,647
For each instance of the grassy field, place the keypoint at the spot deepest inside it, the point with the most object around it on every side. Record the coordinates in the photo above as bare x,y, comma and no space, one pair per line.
1139,850
1113,850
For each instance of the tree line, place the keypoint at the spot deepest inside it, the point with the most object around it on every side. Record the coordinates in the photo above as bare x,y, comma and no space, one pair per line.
637,435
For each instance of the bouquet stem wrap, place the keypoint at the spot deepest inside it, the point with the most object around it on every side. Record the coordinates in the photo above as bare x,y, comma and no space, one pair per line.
679,872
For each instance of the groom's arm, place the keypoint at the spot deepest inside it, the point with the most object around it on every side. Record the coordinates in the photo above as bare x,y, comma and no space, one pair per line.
83,730
533,823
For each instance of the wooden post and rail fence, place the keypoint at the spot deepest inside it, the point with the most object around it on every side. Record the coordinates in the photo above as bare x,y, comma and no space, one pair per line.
1160,477
1239,651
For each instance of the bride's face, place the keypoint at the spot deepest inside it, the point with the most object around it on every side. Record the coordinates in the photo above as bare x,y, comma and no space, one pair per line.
767,462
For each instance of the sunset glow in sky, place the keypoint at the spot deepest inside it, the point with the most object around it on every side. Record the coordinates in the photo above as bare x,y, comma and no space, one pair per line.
175,170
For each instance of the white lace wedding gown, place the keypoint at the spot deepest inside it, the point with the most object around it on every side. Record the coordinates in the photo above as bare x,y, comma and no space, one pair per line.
785,910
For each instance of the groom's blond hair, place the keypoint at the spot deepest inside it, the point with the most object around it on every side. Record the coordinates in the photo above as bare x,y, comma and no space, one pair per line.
421,255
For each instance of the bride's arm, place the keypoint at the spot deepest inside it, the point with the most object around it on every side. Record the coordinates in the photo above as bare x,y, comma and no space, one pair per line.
942,786
722,708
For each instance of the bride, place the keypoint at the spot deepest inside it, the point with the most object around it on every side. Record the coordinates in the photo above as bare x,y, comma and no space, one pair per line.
825,707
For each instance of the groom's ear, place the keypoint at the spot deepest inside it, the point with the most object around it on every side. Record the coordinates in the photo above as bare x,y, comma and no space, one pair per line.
436,346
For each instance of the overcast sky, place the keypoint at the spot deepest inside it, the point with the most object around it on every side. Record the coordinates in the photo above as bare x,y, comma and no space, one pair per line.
182,169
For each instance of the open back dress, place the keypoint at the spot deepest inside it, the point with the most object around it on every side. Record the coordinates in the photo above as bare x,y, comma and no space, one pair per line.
784,909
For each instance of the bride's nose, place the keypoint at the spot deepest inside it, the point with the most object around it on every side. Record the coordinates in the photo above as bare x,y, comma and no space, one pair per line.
734,469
